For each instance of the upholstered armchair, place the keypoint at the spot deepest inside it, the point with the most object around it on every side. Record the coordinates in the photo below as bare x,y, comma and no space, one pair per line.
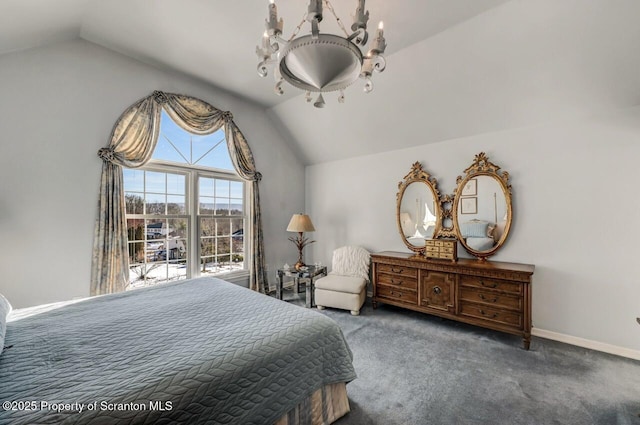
345,286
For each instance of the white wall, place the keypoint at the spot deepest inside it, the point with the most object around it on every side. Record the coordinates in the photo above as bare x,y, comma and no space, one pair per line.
57,107
575,209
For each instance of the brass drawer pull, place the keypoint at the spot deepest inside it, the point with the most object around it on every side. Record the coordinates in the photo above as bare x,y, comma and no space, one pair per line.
393,269
437,290
482,297
484,313
494,285
396,282
397,294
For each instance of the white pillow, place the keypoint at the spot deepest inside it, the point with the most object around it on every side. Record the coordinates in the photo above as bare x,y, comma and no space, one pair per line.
5,309
351,261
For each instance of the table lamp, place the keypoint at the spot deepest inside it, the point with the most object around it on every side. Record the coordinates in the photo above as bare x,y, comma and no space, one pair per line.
300,223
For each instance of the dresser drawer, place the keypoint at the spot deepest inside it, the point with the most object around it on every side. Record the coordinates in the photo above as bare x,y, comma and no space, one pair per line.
492,284
497,315
478,295
398,270
393,293
398,281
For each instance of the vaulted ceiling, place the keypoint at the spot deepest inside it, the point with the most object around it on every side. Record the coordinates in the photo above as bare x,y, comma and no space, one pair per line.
455,67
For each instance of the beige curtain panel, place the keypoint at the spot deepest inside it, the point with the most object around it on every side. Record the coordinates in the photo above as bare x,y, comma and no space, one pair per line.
133,141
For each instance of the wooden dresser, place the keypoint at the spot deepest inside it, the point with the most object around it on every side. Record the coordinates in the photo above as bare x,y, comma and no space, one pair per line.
490,294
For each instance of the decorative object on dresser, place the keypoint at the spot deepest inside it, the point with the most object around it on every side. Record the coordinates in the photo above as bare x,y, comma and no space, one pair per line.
419,212
482,222
445,249
345,287
493,295
300,223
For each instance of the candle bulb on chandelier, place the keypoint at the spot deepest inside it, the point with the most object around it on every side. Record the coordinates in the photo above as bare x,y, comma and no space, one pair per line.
315,10
361,17
273,16
379,44
265,40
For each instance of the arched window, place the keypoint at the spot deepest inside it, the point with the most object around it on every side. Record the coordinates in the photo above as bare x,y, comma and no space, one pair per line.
172,190
186,209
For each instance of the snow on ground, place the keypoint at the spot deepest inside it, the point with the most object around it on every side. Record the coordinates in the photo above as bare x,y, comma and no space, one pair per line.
167,272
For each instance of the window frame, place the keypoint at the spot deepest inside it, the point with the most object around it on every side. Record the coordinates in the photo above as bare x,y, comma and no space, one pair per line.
192,174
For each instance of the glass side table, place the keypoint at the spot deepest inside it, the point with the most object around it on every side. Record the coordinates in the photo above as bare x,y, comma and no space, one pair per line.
309,274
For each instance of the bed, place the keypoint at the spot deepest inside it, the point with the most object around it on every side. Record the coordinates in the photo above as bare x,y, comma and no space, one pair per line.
198,351
479,235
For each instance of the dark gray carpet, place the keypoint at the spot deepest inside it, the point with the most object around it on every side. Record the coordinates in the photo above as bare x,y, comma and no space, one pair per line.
419,369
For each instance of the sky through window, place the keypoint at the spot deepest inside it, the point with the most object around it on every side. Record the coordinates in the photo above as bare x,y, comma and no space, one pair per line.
180,146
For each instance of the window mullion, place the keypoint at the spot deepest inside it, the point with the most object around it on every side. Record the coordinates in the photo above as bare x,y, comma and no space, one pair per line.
194,257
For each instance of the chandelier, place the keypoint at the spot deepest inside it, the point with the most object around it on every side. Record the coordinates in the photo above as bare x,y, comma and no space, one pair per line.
320,62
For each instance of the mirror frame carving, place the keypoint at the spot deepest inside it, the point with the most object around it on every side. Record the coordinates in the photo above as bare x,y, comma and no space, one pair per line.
418,174
481,166
446,208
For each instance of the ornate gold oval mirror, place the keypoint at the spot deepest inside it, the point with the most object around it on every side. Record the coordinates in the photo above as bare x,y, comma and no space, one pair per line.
418,211
482,207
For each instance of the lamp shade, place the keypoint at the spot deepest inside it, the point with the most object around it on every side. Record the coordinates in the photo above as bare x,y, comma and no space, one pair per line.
300,223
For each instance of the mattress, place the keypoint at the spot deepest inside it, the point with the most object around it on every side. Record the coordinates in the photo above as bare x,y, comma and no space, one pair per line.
199,351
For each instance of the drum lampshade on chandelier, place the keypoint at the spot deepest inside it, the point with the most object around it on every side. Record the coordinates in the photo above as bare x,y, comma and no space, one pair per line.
319,62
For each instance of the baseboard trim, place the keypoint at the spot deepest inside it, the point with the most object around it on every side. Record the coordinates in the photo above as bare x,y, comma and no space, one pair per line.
587,343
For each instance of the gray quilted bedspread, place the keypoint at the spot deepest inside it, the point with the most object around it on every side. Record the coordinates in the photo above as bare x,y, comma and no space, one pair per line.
201,351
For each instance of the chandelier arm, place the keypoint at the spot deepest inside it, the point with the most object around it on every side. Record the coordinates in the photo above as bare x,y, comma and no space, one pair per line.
379,63
265,53
278,87
368,84
263,70
279,40
360,35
